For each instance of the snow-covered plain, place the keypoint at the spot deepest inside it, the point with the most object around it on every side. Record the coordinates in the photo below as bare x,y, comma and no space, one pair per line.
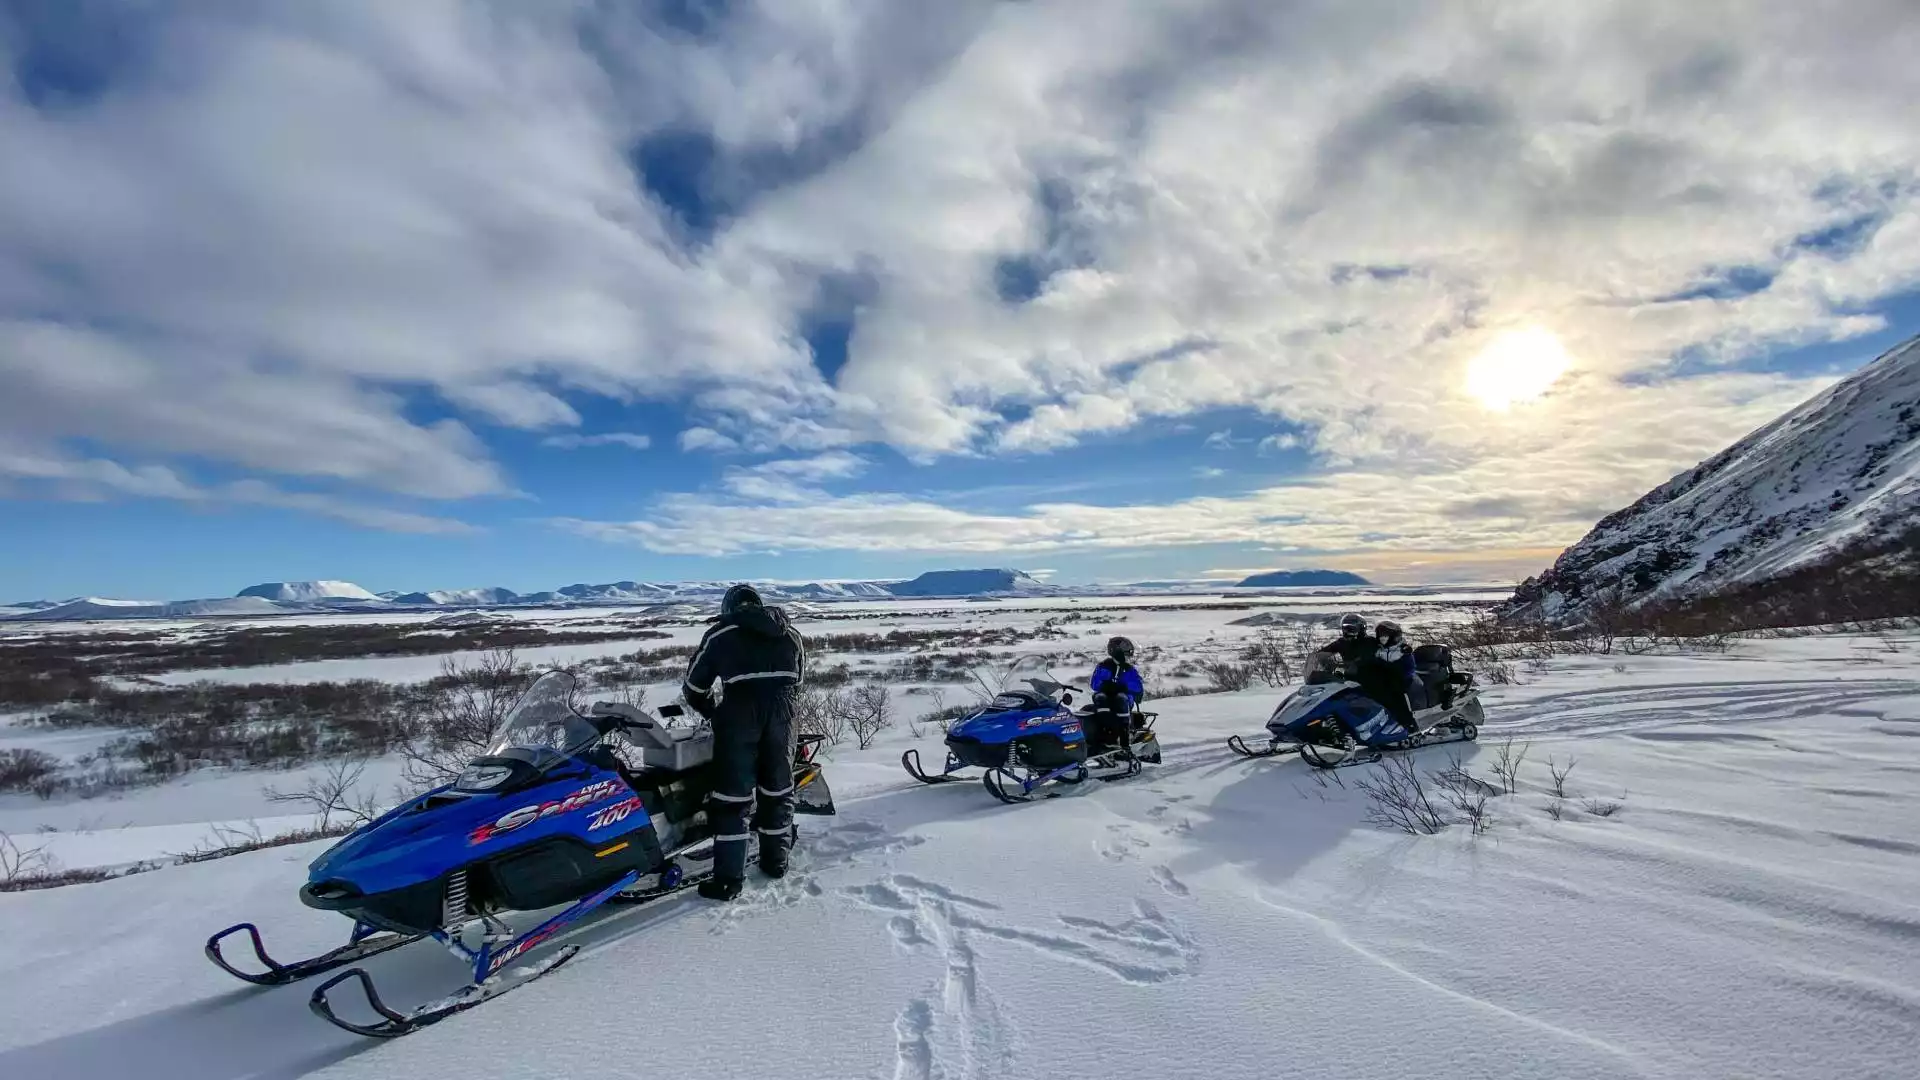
1750,911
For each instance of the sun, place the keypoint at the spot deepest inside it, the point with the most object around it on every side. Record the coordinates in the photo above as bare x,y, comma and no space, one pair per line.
1517,366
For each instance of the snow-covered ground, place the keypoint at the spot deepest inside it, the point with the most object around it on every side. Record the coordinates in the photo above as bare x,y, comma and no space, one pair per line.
1750,911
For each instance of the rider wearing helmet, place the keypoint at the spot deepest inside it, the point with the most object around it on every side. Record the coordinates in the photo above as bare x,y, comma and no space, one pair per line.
1354,646
742,679
1391,672
1117,691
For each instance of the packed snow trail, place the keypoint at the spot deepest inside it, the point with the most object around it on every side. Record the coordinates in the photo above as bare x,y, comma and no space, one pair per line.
1748,912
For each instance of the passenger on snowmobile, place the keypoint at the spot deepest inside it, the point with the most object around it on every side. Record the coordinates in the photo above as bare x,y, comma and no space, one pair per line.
742,679
1389,671
1117,691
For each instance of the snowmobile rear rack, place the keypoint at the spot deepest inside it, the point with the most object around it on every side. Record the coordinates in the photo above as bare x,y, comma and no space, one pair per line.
366,941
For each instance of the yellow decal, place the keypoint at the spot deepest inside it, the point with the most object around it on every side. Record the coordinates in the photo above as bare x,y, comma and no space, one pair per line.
621,846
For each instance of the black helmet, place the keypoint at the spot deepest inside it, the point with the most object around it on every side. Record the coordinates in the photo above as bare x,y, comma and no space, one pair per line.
1353,626
1388,631
738,597
1120,649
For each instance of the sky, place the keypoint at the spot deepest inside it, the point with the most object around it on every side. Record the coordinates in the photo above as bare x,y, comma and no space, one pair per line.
448,294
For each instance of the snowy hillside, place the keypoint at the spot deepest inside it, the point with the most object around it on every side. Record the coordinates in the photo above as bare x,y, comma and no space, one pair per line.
458,597
1839,471
96,608
1746,912
307,592
969,583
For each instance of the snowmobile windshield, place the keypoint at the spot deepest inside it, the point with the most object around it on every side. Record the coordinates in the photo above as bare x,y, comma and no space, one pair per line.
543,725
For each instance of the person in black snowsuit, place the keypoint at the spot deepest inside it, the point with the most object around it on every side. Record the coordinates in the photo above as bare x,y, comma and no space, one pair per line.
1354,647
1117,690
742,679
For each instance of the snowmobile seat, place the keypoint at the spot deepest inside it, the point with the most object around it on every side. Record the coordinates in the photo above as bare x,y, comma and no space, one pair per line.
661,747
1433,664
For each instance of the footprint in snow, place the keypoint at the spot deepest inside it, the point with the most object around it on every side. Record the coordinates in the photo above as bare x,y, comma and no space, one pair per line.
1163,876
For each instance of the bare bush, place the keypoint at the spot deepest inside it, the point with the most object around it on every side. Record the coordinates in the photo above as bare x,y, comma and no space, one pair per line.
27,770
1607,615
1559,775
1506,764
1556,809
231,840
868,709
814,716
1466,793
1267,658
17,863
457,723
1497,673
1224,677
1398,798
335,792
1602,807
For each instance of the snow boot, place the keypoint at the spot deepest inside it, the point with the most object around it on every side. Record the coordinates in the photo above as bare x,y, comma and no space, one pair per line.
721,889
773,859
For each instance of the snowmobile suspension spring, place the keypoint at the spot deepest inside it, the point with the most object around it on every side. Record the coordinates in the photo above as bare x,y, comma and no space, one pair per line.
454,912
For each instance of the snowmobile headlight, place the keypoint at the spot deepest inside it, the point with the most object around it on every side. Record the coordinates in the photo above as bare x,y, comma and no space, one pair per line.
482,777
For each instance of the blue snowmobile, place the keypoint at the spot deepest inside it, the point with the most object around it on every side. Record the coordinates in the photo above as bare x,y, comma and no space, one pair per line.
1028,736
1332,723
550,815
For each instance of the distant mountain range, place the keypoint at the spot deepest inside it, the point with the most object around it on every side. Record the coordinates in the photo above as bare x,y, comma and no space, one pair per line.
288,597
1826,498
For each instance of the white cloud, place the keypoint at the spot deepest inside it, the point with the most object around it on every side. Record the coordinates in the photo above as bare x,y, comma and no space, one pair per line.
260,249
701,438
627,439
515,404
91,478
1220,440
1274,443
1208,472
833,465
1413,505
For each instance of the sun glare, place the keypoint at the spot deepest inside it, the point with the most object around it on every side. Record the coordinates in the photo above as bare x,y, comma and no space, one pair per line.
1517,366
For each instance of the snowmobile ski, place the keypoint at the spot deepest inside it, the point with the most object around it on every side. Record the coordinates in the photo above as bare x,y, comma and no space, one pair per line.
1274,748
366,941
490,975
393,1024
910,761
1010,787
1322,756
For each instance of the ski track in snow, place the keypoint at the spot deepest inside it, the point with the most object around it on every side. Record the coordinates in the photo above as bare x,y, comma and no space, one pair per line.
1336,933
1748,913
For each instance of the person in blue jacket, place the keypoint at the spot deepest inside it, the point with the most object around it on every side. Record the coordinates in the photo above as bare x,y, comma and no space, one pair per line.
1390,671
1117,691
